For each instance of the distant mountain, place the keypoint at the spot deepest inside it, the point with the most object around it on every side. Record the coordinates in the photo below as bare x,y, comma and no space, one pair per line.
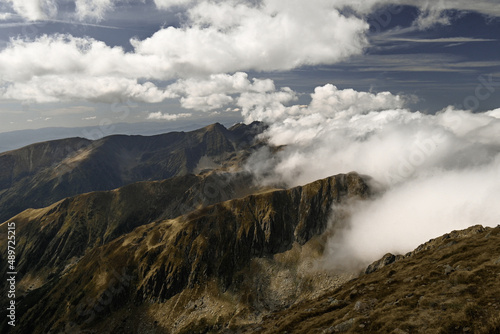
16,139
85,266
41,174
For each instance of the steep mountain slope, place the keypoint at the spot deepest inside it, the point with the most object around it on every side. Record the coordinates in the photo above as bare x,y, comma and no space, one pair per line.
161,267
41,174
447,285
52,239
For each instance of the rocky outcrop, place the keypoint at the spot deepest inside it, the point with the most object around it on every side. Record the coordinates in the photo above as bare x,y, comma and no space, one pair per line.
384,261
219,240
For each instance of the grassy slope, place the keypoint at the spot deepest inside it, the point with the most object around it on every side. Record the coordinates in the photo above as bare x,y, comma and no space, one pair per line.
42,174
449,285
169,259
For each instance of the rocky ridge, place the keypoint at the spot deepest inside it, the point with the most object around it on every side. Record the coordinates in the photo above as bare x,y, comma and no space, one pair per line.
168,259
53,239
41,174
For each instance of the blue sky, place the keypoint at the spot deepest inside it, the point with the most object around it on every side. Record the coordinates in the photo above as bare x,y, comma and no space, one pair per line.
82,63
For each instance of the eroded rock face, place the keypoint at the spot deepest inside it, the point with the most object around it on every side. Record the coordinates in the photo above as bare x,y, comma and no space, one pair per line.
162,259
217,241
52,239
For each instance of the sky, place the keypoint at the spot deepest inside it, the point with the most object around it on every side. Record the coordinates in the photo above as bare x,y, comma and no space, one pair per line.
82,63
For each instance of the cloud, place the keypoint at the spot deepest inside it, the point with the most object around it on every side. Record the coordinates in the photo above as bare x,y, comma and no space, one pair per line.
494,113
65,55
73,110
34,10
487,7
332,101
168,117
442,40
93,9
434,173
208,43
216,91
302,35
215,37
96,10
5,16
74,69
431,15
415,212
222,37
416,62
374,135
100,89
267,106
326,102
167,4
86,69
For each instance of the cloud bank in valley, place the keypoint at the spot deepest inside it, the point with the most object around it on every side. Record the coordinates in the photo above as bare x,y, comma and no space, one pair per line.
435,173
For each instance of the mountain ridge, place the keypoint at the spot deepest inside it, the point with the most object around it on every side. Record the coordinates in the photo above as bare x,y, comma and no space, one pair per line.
41,174
52,238
170,256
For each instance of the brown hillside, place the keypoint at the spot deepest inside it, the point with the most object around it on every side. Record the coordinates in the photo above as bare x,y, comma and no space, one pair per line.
448,285
165,265
41,174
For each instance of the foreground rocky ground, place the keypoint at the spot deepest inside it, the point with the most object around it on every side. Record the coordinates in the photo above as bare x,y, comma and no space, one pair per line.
449,285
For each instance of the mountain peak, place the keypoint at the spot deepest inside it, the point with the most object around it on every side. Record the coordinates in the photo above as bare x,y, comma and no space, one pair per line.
68,167
215,127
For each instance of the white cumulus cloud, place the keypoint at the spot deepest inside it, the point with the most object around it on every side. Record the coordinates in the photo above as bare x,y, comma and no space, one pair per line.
303,34
34,9
75,88
226,37
217,90
168,117
167,4
94,9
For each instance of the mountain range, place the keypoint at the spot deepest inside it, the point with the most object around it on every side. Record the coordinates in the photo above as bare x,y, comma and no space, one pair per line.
170,234
38,175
